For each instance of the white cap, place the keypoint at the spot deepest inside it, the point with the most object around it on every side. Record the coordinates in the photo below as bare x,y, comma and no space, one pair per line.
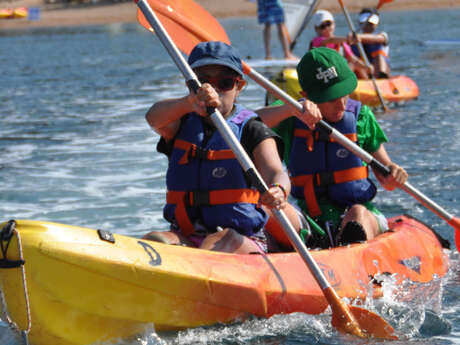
322,16
369,17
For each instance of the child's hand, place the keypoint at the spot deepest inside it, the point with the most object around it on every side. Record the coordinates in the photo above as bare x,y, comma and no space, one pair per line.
310,115
370,70
353,38
396,178
274,197
206,96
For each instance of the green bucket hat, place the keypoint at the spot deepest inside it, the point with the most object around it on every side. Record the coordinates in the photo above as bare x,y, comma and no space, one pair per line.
324,75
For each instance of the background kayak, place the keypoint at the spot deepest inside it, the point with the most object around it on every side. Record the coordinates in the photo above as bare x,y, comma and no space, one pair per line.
397,89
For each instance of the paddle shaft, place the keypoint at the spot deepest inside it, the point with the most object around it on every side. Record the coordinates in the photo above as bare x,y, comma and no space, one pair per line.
362,53
251,171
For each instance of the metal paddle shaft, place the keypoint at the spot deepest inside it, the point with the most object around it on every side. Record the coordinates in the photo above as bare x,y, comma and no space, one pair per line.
363,54
346,319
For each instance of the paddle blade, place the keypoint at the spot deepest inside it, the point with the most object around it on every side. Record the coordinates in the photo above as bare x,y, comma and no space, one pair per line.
381,2
186,22
370,324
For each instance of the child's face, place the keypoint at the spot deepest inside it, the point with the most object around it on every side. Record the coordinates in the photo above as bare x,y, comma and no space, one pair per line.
333,110
368,27
326,29
225,81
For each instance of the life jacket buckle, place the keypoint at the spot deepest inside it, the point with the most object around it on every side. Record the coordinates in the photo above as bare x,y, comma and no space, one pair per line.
198,198
321,136
325,178
198,152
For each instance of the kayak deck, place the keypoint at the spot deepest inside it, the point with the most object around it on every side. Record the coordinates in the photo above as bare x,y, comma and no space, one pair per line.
84,288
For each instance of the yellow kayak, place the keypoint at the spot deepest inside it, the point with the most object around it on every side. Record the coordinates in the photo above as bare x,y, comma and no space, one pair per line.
69,285
6,13
396,89
20,12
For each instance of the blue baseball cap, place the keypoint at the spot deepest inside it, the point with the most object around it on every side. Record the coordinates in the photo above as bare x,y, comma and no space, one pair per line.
215,53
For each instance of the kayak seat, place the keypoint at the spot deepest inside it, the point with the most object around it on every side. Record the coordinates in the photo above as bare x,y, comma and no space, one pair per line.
352,232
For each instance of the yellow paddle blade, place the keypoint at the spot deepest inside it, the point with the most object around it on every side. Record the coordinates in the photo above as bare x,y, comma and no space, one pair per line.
186,22
371,325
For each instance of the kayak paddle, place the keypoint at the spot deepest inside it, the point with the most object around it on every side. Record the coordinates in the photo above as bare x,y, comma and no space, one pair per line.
363,55
353,320
381,2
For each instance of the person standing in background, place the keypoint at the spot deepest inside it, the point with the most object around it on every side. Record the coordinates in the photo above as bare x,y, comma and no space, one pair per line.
271,12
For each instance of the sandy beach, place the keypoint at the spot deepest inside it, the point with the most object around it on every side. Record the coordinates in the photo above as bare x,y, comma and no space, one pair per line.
57,15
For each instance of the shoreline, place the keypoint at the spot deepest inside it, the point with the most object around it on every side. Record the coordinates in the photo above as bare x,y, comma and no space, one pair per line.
55,15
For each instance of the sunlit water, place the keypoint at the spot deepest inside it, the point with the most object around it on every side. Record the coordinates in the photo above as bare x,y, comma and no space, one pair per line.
75,148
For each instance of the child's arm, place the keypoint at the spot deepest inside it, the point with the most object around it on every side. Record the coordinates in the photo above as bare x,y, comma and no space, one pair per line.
379,38
334,40
164,116
273,115
268,164
396,178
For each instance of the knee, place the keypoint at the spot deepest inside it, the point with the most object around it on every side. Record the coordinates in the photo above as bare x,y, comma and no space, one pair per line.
357,211
162,236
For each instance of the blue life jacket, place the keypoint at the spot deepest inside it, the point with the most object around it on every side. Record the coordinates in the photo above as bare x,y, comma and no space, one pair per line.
372,50
320,167
206,183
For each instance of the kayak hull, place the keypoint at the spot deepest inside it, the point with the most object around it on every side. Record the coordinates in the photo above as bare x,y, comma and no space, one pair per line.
82,288
396,89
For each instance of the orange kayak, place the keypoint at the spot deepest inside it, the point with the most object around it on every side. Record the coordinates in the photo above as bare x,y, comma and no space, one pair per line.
396,89
86,286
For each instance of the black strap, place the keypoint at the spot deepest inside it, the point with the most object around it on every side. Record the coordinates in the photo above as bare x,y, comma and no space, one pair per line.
6,235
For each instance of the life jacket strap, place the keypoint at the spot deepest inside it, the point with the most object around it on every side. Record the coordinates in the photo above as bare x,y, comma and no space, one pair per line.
378,52
183,199
323,179
311,137
196,152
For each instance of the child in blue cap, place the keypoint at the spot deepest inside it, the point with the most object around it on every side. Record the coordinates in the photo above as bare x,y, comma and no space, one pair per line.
210,203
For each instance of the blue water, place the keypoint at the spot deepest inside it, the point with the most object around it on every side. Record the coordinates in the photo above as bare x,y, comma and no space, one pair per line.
75,148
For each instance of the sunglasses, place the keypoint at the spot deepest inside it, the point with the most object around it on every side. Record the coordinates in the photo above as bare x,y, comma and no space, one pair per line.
325,25
223,84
